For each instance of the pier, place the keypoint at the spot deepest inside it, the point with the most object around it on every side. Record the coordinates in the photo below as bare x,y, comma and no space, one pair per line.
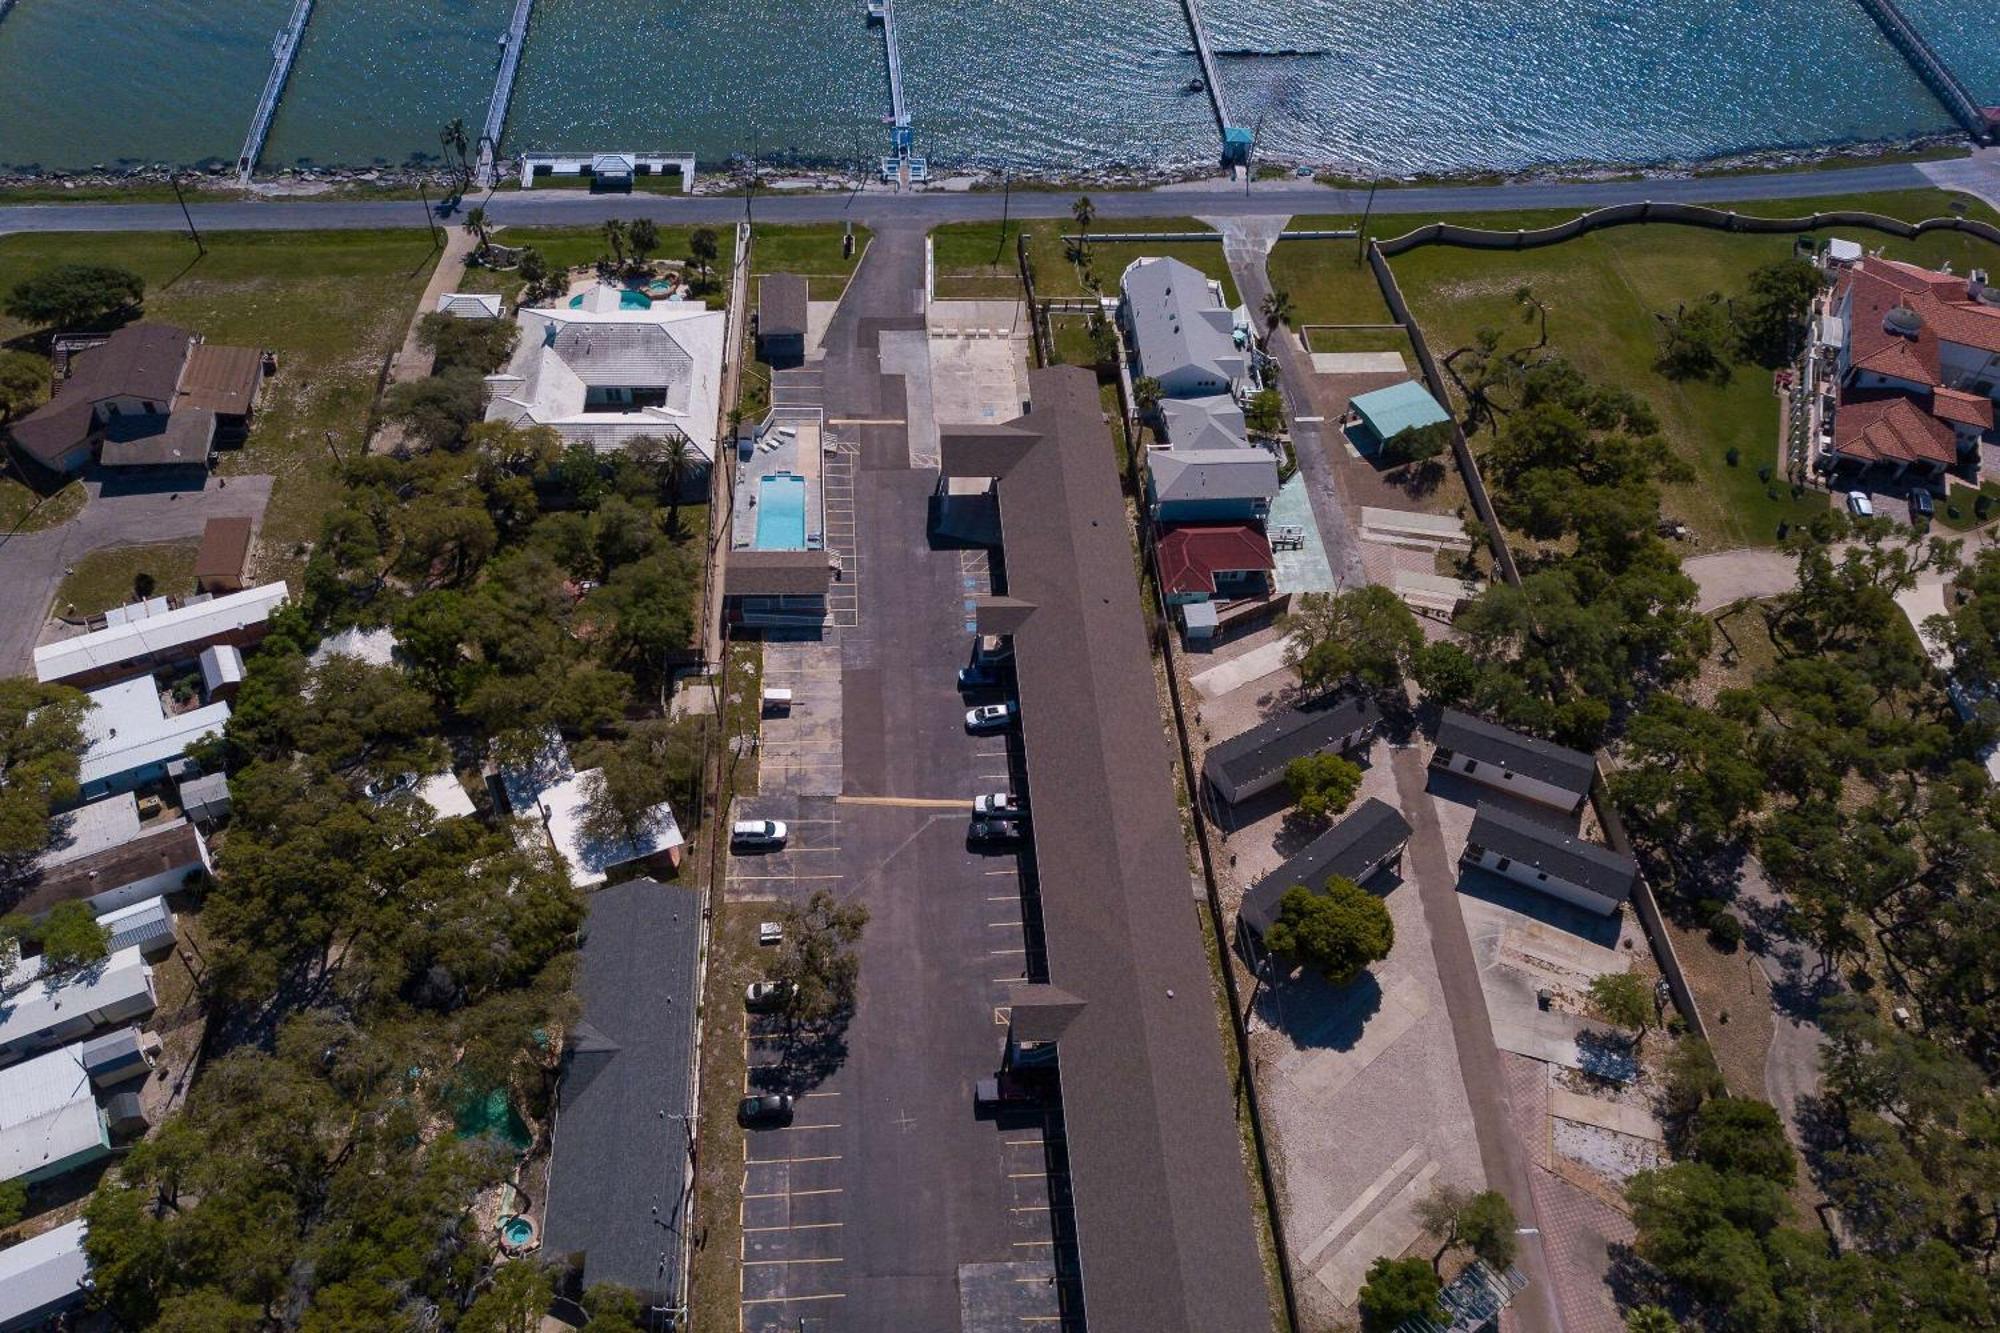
902,166
284,50
1982,123
503,90
1235,139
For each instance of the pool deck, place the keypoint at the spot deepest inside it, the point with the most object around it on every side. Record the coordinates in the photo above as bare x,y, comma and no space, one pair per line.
773,453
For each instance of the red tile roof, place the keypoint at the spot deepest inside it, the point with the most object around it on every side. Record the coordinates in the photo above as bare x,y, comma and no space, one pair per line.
1968,409
1888,428
1944,308
1191,556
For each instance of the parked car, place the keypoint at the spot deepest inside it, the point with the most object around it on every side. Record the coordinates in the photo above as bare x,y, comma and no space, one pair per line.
996,803
996,830
758,833
1921,505
764,997
1860,505
381,789
771,1108
991,717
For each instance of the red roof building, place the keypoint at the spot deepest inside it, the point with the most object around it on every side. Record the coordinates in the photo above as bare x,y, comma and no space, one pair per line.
1204,560
1919,367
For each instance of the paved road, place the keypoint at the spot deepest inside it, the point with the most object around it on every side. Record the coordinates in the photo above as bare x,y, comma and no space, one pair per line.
877,207
1500,1147
32,563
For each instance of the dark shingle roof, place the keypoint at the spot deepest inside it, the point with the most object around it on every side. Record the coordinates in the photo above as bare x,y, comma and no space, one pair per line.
1350,847
225,549
138,361
1161,1200
1545,761
151,853
154,440
781,305
776,574
1267,747
1563,855
616,1156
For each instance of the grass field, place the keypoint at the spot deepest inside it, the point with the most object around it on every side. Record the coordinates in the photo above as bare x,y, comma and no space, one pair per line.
104,579
332,305
967,267
1603,291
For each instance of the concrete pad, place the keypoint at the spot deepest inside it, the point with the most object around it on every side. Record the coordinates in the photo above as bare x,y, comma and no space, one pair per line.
1359,363
1389,1232
1258,662
1398,524
1634,1121
1569,1041
799,753
1397,1170
1304,568
819,314
977,381
1322,1071
907,353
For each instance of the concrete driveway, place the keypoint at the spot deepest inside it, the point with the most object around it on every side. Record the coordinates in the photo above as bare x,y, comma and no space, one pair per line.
32,563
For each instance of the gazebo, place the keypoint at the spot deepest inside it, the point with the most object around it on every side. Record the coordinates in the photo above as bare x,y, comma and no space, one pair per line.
1386,413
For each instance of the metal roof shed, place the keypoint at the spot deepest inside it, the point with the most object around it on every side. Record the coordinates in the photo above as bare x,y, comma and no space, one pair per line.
1389,412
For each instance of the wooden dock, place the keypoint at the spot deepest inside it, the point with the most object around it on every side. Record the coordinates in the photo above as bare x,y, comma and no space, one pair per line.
1210,75
284,50
503,90
1945,85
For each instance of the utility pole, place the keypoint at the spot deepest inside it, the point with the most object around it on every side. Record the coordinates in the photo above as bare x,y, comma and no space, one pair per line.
1006,205
756,148
429,220
1361,231
200,249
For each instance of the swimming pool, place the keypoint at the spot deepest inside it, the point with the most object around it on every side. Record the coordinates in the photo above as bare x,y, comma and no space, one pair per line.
627,300
781,512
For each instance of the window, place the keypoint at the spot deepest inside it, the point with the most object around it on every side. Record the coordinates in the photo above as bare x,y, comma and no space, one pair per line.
1471,766
1543,876
1503,863
1505,776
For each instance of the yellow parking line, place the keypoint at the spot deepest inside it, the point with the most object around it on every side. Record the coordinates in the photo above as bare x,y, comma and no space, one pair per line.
793,1194
908,802
745,879
780,1300
750,1263
800,1226
781,1161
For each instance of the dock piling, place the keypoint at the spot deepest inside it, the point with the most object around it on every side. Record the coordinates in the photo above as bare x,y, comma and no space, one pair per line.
1982,123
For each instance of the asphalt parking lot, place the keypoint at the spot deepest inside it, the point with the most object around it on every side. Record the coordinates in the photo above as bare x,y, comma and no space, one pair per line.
890,1202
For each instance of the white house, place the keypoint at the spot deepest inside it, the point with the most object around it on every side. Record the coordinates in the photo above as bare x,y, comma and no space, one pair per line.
547,790
1182,331
614,366
139,638
1507,761
1549,860
49,1119
130,740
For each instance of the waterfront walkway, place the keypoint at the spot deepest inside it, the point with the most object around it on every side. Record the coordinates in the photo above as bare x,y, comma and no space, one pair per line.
284,50
503,90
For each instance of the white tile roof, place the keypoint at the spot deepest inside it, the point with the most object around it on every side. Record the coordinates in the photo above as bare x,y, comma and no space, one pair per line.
89,829
33,1005
188,628
562,808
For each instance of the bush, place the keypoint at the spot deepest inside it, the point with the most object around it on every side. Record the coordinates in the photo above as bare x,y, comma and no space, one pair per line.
1726,932
1398,1290
1732,456
1764,472
1982,506
1337,933
1322,785
1952,511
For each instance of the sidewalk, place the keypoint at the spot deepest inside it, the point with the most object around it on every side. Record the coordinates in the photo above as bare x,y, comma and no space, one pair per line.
412,361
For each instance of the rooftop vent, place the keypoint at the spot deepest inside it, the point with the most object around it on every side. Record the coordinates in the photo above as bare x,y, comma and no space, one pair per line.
1903,322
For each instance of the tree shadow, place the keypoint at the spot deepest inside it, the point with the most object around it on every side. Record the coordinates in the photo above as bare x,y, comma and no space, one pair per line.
1315,1014
808,1055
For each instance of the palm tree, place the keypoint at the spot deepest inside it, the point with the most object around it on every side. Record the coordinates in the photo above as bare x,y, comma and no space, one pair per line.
644,238
1147,391
614,236
452,138
1085,213
475,222
677,460
1651,1319
704,248
1277,309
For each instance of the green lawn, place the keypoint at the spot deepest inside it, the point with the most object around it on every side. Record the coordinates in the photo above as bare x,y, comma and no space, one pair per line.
1348,339
813,250
1603,291
332,305
1965,505
577,247
23,509
104,579
967,267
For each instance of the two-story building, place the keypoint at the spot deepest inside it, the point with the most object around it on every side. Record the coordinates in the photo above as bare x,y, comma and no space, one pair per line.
1182,332
1917,370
